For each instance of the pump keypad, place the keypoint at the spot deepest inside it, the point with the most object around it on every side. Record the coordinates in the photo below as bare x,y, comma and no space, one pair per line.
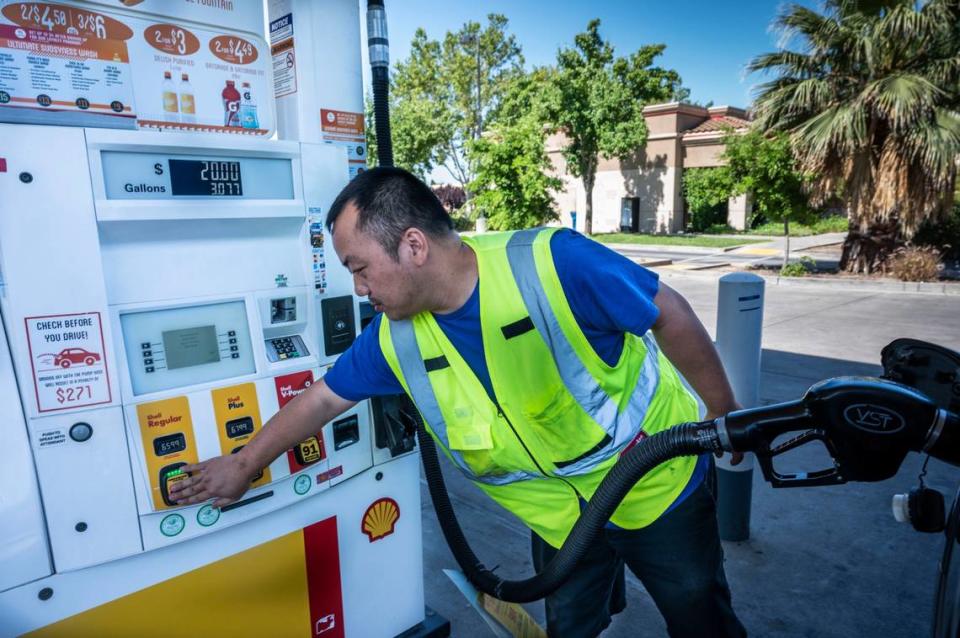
283,348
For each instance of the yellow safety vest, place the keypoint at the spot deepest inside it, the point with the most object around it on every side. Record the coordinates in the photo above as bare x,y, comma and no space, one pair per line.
564,415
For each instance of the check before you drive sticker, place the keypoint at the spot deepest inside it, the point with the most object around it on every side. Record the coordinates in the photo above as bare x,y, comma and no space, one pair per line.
68,360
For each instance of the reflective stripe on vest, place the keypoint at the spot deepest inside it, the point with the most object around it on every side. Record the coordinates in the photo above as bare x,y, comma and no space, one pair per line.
415,373
621,427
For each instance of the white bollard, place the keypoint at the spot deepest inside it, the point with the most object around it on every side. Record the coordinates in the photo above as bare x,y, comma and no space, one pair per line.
739,332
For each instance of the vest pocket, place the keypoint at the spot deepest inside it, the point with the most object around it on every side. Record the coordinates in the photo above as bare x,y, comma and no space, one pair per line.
469,432
563,428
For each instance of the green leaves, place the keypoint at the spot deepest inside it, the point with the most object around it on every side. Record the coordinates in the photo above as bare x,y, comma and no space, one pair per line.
870,101
596,99
513,184
442,93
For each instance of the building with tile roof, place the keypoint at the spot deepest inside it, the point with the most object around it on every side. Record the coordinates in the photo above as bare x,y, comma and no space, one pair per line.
643,193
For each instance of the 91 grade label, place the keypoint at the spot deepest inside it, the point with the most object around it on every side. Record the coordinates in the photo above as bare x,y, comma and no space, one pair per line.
68,360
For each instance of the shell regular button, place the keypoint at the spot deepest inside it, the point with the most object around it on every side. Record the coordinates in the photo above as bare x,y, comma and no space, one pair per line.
80,432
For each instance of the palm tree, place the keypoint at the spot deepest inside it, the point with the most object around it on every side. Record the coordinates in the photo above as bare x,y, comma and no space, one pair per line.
871,103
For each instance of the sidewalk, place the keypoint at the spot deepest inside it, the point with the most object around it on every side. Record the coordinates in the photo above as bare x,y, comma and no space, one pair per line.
764,259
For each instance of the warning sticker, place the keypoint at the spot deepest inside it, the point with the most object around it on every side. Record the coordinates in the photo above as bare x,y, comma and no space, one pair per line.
68,360
346,129
284,56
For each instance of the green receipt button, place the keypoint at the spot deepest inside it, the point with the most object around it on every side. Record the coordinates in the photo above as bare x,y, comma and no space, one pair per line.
172,525
208,515
302,484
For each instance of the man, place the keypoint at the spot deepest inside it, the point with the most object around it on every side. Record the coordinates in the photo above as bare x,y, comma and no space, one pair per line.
529,355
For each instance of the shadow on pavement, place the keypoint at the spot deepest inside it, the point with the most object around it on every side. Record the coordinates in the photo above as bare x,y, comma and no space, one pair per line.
821,562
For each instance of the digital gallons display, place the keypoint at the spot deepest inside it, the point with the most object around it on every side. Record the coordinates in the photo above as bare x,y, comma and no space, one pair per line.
205,177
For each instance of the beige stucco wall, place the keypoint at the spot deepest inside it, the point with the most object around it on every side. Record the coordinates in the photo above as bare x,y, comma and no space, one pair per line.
702,155
653,174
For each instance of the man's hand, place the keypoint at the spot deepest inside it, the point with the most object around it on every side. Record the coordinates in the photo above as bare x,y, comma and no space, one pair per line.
735,457
225,478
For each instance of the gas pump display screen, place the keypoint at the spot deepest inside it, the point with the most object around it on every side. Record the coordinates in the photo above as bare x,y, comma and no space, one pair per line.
191,346
205,177
208,177
184,346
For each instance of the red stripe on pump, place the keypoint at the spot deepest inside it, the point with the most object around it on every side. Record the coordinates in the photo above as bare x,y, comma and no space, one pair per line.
323,579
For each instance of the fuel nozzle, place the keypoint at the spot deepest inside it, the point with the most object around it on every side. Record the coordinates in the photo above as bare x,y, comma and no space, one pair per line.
867,425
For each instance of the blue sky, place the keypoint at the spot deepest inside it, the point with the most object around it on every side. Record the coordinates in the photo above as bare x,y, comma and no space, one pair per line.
708,43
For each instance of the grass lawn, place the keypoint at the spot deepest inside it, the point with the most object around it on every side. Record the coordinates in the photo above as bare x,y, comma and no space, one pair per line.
834,224
707,241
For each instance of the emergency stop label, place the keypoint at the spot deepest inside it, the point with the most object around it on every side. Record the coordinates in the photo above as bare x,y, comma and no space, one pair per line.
68,360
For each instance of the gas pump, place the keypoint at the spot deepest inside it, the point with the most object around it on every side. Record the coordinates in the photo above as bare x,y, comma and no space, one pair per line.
164,290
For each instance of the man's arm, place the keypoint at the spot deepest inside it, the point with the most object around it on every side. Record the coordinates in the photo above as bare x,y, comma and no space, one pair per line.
227,478
686,343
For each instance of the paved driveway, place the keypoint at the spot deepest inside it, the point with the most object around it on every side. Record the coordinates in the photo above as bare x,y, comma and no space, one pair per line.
821,562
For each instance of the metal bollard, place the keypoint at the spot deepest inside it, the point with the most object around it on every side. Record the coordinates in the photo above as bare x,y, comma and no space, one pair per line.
739,331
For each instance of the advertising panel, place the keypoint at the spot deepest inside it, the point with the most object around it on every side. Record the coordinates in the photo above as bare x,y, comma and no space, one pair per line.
65,64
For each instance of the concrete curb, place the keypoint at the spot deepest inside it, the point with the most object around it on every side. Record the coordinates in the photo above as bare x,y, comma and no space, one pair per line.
664,248
882,286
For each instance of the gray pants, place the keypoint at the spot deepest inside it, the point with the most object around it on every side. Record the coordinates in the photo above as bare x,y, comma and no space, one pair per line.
678,559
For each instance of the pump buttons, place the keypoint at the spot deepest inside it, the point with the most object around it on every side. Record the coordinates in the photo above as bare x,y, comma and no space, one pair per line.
81,432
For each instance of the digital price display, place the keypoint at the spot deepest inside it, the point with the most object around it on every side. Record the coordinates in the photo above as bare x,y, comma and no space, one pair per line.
240,427
169,444
218,178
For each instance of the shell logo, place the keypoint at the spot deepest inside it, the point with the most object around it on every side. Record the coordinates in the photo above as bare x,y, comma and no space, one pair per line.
380,519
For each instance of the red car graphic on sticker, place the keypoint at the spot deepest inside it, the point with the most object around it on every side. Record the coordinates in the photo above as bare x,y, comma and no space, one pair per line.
69,356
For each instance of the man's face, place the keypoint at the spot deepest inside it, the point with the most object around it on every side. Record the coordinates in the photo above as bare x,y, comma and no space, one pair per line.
389,283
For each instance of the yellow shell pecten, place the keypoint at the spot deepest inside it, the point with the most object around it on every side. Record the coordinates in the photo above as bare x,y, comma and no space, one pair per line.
381,518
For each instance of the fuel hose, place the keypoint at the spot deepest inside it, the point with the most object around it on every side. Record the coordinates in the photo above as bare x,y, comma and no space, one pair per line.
682,440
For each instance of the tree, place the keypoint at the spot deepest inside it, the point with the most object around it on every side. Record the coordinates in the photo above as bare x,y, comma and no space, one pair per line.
513,185
442,93
871,104
597,100
765,167
707,191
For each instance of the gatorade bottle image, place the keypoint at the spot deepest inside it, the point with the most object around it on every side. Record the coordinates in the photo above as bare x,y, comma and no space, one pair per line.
248,108
188,105
170,109
231,105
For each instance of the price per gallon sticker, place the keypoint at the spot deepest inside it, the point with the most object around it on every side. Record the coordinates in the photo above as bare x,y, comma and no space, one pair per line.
69,361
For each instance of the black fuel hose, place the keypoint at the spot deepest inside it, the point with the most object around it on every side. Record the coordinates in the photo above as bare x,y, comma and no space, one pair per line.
682,440
379,49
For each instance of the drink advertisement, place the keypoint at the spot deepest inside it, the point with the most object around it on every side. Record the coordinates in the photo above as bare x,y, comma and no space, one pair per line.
67,64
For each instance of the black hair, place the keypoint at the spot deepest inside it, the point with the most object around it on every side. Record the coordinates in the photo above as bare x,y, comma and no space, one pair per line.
389,201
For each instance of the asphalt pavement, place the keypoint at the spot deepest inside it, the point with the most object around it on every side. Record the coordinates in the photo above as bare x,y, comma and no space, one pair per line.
821,562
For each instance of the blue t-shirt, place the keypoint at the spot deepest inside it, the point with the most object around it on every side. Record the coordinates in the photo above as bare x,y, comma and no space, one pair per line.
608,294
